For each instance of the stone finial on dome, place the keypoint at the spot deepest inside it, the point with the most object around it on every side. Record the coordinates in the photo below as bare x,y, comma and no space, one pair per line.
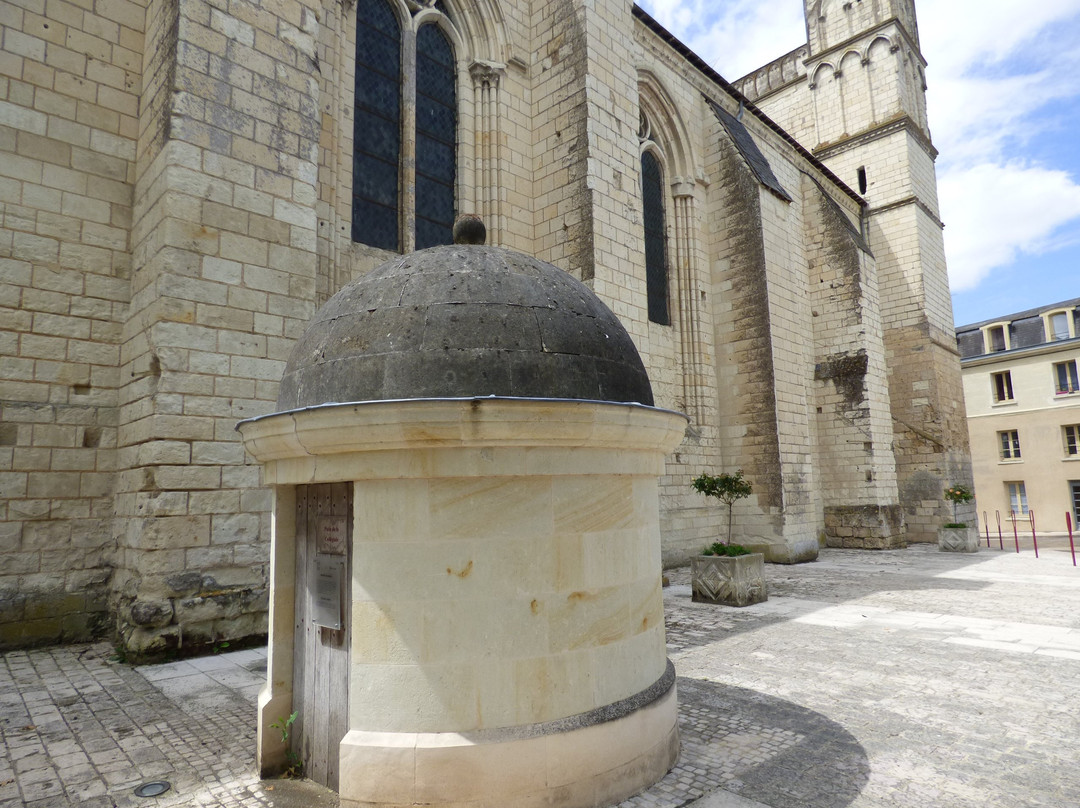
469,229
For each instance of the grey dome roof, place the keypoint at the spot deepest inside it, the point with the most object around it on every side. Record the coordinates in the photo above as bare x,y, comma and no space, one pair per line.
462,321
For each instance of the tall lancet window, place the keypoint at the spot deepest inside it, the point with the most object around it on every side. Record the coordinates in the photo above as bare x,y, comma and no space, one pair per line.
656,269
436,130
376,194
398,203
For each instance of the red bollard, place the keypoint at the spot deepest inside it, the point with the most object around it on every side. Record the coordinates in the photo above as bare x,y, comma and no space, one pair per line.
1001,542
1034,541
1016,536
986,524
1068,523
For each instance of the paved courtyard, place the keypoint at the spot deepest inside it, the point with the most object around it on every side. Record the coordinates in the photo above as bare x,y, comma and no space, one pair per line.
909,678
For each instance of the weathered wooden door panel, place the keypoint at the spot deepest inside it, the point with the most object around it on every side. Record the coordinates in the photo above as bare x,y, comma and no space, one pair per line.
321,663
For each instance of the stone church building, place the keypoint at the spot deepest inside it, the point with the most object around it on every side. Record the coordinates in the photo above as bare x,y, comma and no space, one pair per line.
184,182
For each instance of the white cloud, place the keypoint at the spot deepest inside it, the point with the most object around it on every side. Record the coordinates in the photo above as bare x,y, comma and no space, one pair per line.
735,37
992,67
1000,211
958,34
997,73
1001,75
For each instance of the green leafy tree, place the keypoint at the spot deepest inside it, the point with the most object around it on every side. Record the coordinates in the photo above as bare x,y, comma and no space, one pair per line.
728,488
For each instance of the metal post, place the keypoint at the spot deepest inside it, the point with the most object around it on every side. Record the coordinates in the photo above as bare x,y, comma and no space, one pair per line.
1034,541
1016,536
986,524
1001,542
1072,547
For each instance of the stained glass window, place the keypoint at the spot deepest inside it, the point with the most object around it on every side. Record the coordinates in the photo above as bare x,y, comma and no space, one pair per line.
436,129
656,275
377,126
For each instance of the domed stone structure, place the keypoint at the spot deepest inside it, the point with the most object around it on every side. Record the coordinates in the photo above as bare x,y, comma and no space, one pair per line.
464,320
466,608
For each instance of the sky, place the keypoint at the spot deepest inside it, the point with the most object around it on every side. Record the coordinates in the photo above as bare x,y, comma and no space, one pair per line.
1003,102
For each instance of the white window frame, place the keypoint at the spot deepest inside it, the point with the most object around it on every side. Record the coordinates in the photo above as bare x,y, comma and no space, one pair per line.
1070,324
1006,386
1018,501
1070,434
1071,384
1009,445
988,341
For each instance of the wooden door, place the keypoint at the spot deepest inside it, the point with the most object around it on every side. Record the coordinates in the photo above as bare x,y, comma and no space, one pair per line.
321,656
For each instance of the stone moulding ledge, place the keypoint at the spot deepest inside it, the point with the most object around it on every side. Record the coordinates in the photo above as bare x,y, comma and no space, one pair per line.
599,715
458,423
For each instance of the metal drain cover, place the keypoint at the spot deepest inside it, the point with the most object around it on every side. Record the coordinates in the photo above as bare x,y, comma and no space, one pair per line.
152,789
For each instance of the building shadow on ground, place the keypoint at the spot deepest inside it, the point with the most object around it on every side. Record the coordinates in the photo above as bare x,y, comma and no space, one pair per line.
761,747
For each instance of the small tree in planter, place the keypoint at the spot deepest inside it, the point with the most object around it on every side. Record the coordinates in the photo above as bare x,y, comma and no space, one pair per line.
958,495
957,537
727,573
729,489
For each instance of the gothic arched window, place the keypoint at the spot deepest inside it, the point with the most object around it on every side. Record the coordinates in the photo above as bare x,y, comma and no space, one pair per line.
436,134
376,193
398,204
656,271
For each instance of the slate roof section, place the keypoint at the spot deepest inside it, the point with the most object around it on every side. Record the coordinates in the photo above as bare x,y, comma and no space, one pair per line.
749,150
1074,303
856,234
709,73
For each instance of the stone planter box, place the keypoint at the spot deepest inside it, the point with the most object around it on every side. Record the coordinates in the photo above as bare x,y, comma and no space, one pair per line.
958,539
732,581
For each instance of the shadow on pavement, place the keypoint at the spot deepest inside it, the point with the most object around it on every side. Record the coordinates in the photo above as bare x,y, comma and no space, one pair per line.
808,761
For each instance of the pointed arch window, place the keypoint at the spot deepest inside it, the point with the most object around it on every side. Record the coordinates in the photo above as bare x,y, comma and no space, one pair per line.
656,270
397,203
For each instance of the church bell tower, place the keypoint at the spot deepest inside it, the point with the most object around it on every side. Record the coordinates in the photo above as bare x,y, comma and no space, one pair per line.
866,80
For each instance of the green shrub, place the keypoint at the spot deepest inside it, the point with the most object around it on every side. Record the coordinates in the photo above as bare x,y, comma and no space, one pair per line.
728,488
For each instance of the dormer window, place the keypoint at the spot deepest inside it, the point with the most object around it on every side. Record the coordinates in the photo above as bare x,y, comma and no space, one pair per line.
1059,325
996,337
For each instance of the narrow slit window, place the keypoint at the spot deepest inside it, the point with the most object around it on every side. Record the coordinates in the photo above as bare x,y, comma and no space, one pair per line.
862,179
656,274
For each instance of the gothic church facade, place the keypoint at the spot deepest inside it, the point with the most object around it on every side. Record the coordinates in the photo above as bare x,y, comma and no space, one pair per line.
184,182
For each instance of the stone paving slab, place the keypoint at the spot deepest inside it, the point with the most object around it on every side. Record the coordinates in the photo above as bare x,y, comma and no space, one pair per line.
910,678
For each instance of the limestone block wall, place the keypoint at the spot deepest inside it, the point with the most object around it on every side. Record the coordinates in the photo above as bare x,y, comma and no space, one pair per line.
176,203
747,418
225,255
853,425
779,88
70,78
870,118
834,22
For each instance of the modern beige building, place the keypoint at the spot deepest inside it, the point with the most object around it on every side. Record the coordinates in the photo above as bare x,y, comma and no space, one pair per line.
182,185
1023,404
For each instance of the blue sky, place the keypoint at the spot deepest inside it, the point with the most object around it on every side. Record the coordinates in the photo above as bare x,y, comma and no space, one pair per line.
1004,109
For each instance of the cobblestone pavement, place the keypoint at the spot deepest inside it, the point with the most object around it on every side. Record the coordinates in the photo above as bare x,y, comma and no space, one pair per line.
909,678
